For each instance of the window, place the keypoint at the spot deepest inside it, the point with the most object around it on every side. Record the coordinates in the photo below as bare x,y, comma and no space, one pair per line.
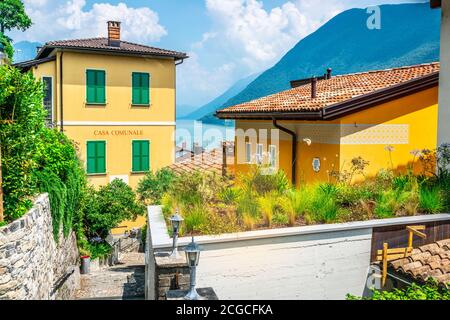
48,98
248,153
273,155
96,157
141,156
259,153
95,87
141,88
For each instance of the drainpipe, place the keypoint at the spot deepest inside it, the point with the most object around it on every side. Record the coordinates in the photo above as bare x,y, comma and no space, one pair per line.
294,149
61,90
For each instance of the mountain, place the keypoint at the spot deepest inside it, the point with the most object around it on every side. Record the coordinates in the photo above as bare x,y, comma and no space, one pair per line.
183,110
409,34
215,104
25,50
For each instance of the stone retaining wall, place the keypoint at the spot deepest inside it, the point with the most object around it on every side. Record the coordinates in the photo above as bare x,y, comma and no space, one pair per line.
32,265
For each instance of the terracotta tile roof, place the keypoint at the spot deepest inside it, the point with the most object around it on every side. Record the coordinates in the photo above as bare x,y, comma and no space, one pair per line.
210,161
331,92
431,260
102,44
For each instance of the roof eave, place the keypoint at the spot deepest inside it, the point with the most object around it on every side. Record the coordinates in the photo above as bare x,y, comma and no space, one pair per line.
49,49
26,65
310,115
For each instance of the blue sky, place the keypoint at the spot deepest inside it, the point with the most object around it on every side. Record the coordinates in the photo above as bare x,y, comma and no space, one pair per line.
226,39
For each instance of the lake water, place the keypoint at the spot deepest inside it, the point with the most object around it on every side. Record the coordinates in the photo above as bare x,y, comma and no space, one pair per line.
209,136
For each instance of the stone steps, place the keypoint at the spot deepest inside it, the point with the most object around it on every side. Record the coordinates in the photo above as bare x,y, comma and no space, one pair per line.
125,280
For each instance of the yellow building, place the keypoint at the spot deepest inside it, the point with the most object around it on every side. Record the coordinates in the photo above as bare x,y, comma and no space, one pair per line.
116,99
324,123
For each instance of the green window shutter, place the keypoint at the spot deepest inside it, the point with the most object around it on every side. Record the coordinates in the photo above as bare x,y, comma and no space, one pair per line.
91,159
136,156
101,157
96,157
145,155
140,88
90,86
95,86
100,94
141,156
145,88
136,88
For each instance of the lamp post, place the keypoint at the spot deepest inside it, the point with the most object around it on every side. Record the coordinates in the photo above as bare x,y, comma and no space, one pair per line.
192,256
175,221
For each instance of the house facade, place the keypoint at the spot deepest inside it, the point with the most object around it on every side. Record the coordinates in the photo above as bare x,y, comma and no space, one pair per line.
115,99
314,130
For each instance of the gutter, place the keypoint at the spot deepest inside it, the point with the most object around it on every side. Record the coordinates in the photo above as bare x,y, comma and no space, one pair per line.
294,149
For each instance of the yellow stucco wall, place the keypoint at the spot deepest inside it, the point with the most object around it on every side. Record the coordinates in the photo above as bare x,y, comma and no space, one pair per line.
406,124
124,122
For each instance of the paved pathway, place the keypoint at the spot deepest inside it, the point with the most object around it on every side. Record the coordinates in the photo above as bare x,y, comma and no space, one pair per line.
120,282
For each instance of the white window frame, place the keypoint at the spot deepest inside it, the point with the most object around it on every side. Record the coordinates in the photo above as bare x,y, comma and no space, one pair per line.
248,152
52,97
259,153
273,156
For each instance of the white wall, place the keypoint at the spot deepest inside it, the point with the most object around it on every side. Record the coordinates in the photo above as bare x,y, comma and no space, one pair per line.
312,262
320,266
444,85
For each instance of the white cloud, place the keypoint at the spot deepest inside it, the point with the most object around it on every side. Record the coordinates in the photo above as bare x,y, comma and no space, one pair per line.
261,35
53,20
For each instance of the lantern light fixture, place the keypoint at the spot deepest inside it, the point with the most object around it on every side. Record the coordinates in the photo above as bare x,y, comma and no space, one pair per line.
192,252
175,221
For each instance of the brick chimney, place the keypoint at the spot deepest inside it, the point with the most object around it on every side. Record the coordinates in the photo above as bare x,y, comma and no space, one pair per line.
114,33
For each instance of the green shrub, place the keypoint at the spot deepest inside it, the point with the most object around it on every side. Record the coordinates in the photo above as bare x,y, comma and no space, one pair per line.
194,219
152,187
430,200
34,157
323,209
108,207
256,181
21,103
248,205
428,291
229,195
99,250
294,204
268,205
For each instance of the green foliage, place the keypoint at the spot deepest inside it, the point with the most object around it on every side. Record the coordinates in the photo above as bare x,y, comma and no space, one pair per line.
13,16
22,121
268,205
257,181
35,158
194,219
428,291
99,250
7,46
151,188
107,207
323,207
229,195
294,204
430,200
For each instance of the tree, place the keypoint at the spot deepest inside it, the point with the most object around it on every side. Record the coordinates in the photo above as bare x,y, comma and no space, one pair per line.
13,16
